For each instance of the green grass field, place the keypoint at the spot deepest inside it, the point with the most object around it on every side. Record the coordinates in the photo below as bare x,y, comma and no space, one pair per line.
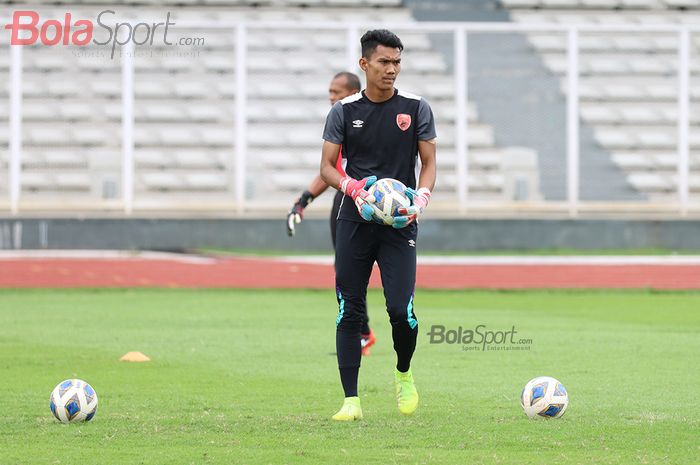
250,377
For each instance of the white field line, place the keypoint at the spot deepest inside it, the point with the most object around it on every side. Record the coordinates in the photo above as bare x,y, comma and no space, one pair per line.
103,255
536,260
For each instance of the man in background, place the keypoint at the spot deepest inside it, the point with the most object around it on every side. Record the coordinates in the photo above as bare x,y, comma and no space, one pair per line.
342,85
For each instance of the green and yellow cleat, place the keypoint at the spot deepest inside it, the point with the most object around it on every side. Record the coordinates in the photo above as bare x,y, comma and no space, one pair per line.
351,410
406,393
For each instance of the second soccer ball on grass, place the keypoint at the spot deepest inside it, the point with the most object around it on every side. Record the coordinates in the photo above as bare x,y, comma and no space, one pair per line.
544,397
73,400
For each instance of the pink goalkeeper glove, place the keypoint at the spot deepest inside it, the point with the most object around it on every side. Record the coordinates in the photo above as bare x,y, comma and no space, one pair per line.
356,191
419,200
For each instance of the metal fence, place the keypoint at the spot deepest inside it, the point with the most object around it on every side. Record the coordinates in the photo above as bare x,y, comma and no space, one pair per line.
238,196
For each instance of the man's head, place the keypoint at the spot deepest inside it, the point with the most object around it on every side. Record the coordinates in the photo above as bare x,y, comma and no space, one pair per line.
343,84
381,58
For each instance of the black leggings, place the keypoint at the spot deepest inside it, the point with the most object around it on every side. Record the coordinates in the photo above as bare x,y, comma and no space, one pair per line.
334,222
358,246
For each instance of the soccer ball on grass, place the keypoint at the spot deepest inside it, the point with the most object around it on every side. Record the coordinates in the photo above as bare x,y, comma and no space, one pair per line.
73,400
544,397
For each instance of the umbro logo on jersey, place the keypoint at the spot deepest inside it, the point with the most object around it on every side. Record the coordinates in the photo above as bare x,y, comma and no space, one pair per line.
411,243
357,123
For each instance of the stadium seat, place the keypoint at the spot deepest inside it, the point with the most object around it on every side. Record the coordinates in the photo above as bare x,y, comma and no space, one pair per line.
156,111
219,63
64,88
207,113
151,89
682,3
662,91
613,139
271,89
46,62
72,181
192,89
31,87
64,159
36,181
649,182
599,114
175,136
197,158
604,66
206,181
627,91
666,161
640,115
328,40
39,111
151,158
48,136
160,181
112,110
428,63
646,65
75,111
92,136
176,63
633,161
640,4
108,89
217,136
260,136
656,139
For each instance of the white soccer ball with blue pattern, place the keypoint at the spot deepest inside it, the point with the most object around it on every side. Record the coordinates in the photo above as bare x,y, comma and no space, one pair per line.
544,397
389,195
73,400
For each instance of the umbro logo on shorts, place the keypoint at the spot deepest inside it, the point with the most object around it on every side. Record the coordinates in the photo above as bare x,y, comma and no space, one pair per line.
411,243
357,123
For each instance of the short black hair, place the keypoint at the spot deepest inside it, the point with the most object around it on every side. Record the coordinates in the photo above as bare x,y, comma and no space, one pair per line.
371,39
352,80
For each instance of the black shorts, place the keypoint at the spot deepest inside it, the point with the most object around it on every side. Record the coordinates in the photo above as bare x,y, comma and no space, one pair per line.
358,247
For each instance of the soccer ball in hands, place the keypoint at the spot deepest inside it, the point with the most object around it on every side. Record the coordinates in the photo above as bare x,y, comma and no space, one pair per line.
544,397
389,195
73,400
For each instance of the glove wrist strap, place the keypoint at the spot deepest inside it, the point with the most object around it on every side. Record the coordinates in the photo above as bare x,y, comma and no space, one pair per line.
306,198
425,192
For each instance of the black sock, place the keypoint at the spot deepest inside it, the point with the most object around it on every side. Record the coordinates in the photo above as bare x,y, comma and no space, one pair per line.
404,345
349,348
348,377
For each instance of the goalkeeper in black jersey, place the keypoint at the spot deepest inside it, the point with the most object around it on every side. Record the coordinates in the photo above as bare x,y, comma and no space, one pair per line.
382,131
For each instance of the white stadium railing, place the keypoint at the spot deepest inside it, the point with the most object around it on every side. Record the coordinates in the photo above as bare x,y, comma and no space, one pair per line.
572,206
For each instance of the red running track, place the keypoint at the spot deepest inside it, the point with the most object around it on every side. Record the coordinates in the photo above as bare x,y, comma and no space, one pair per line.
270,273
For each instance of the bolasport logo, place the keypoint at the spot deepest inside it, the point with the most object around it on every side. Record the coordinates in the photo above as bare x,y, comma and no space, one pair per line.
29,28
481,338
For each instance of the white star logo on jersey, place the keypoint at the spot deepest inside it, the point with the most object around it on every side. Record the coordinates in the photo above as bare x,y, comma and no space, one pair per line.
357,123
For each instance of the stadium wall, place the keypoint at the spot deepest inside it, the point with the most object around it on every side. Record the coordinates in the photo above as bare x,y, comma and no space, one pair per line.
313,234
